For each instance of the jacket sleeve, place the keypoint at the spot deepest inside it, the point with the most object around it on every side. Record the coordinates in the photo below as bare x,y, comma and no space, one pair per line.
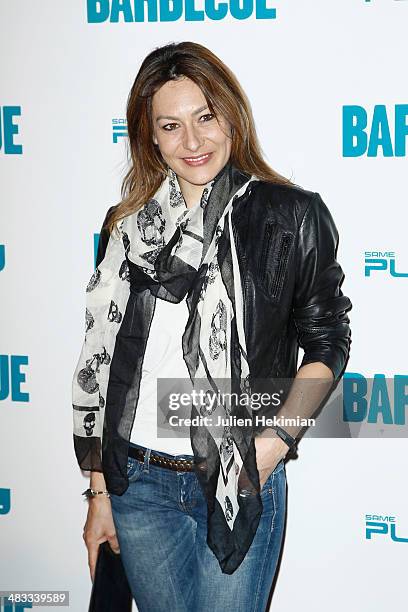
319,307
85,398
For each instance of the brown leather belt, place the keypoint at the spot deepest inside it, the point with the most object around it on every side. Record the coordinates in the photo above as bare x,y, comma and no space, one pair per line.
178,465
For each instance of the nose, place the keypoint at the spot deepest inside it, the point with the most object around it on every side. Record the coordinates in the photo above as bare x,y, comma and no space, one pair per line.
192,139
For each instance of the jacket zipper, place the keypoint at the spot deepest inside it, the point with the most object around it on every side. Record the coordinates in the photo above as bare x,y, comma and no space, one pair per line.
265,247
282,259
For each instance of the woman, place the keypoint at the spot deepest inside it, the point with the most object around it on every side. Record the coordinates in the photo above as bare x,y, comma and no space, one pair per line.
213,268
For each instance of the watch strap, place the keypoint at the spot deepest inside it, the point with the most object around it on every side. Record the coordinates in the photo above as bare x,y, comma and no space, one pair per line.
285,436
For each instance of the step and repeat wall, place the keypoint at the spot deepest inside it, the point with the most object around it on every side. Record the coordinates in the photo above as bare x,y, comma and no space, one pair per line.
327,85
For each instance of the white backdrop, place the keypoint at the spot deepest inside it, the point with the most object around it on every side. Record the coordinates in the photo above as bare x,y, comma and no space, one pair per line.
70,80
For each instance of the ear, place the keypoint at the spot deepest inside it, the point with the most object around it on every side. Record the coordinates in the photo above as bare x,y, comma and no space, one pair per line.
155,140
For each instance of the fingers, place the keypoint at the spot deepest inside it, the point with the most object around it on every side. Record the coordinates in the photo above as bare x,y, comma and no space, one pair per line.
114,544
262,481
92,558
98,528
263,476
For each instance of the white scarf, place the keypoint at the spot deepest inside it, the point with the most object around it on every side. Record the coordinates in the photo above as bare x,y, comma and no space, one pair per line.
164,240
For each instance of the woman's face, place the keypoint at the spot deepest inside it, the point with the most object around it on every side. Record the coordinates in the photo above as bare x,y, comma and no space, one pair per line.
191,140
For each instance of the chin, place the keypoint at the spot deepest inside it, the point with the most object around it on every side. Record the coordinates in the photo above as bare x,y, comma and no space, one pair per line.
201,175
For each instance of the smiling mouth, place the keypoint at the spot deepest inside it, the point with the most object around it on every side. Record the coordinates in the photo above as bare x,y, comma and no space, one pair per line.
198,158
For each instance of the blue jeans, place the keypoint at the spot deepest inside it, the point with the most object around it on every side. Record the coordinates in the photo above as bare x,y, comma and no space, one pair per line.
161,526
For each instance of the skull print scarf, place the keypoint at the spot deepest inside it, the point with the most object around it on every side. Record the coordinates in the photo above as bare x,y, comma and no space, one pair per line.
173,252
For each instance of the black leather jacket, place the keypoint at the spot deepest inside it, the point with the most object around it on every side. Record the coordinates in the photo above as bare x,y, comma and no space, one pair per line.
287,244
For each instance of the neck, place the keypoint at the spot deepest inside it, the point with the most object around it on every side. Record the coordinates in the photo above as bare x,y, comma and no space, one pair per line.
191,193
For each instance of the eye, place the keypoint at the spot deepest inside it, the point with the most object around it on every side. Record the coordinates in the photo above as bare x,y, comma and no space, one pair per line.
168,127
210,115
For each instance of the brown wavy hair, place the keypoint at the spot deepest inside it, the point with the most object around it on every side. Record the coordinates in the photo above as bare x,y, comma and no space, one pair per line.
224,96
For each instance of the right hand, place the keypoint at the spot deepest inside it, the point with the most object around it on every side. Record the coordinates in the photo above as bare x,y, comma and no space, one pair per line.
98,528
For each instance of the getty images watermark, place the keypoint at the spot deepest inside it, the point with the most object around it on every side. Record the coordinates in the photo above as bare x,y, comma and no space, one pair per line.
208,402
253,404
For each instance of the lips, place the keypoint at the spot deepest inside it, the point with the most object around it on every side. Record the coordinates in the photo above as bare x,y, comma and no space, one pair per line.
198,160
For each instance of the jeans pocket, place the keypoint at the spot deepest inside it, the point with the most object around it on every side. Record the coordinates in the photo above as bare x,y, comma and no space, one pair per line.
269,483
134,469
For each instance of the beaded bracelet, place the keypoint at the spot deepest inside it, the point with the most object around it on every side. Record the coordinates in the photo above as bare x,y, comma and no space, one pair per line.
92,493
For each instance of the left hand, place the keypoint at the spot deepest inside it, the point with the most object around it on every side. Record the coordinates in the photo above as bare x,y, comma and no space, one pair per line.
269,451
